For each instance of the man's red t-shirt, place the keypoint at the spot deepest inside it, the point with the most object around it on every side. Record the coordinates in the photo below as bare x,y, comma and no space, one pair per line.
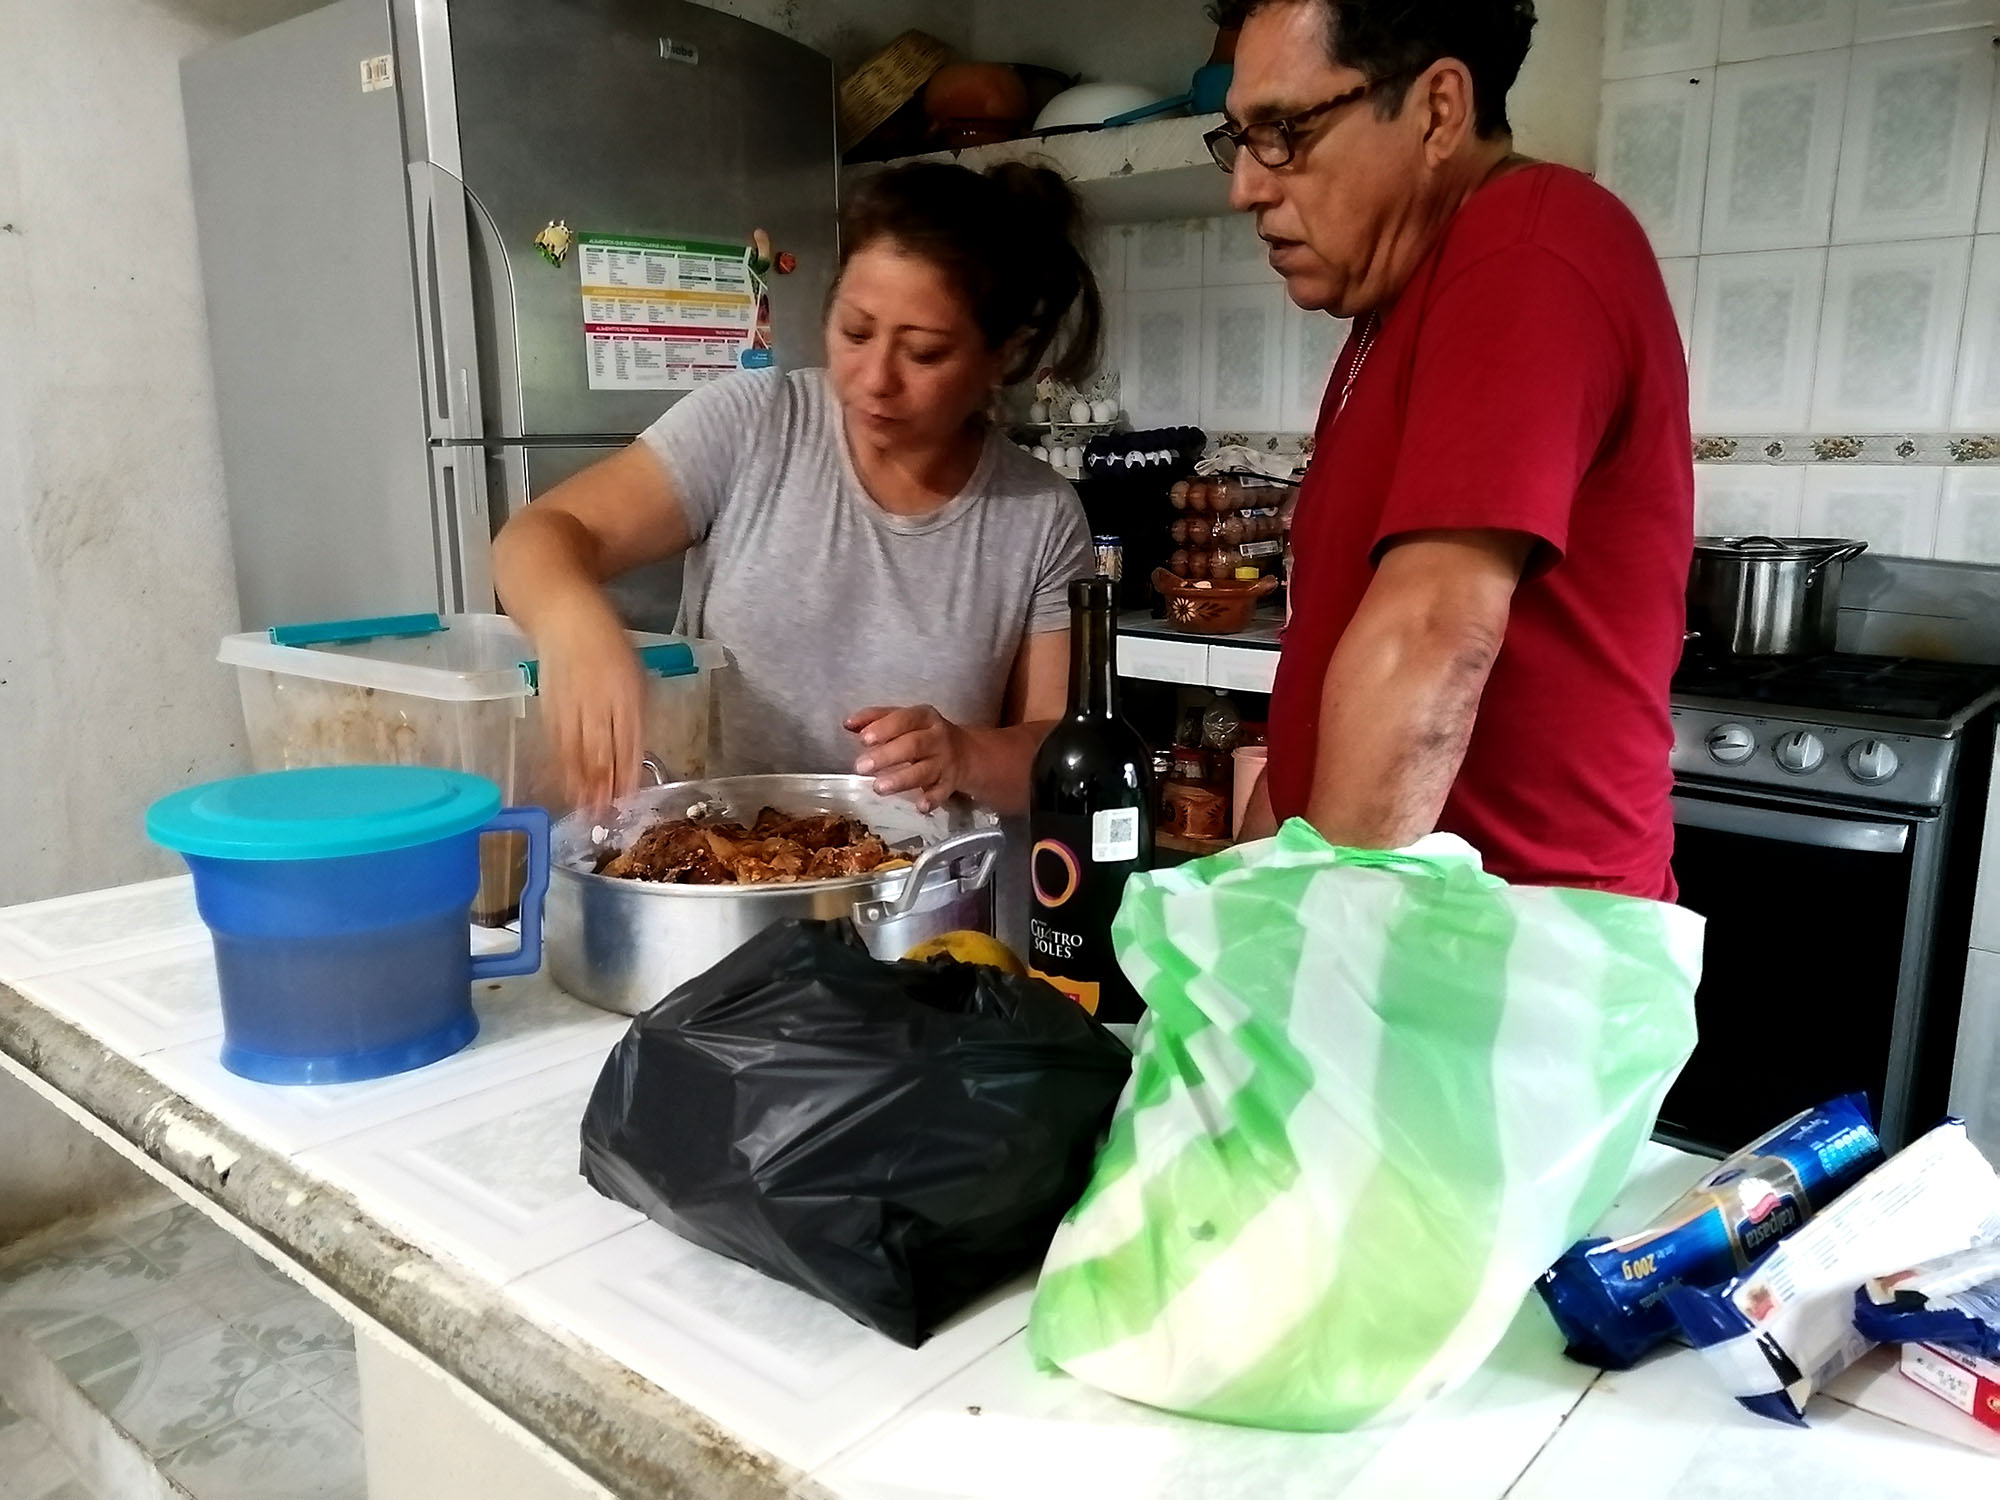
1529,378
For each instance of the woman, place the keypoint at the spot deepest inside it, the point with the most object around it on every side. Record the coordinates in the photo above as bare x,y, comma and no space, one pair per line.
888,571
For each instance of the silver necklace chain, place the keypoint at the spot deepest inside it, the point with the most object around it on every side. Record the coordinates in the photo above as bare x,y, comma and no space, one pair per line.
1361,348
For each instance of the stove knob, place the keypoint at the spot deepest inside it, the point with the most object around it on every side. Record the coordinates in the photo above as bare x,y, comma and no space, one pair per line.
1800,752
1871,762
1731,744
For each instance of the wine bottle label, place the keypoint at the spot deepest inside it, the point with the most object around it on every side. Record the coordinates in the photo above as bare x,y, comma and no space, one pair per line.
1114,835
1069,924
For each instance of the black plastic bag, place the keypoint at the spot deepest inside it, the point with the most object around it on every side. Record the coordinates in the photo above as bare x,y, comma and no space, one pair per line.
895,1138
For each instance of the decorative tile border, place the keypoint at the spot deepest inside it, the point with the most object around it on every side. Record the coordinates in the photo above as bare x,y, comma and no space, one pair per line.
1930,448
1892,448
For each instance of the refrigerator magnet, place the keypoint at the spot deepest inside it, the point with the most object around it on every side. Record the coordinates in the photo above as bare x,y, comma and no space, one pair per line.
554,241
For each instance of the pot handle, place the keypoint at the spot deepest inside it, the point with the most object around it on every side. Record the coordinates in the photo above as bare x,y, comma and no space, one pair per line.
1840,554
983,845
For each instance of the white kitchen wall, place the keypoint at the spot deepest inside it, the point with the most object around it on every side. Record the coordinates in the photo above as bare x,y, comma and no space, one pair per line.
115,579
1202,332
1824,177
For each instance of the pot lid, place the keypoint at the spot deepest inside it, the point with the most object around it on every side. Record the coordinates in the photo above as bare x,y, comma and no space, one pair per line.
1777,547
322,813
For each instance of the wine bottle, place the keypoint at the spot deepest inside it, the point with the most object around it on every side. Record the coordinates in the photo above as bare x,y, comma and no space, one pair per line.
1090,819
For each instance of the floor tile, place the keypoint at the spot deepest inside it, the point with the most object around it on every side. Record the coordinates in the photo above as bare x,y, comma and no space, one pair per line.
295,1327
167,1397
343,1393
239,1284
161,1316
296,1450
181,1239
87,1275
32,1467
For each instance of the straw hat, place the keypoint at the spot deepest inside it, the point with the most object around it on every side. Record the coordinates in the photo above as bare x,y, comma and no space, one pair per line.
886,82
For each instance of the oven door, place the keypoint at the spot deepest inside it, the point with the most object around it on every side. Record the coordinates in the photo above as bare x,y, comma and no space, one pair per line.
1814,965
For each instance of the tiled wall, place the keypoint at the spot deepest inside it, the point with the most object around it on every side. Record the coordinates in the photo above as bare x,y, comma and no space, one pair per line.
1202,333
1821,179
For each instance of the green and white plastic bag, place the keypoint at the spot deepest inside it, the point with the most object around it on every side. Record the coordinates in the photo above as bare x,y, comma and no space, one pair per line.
1376,1095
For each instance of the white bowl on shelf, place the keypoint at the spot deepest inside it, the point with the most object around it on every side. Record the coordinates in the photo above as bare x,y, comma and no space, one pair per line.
1090,104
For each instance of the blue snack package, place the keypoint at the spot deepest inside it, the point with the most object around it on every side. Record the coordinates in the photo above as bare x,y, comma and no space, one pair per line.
1607,1295
1952,1302
1780,1331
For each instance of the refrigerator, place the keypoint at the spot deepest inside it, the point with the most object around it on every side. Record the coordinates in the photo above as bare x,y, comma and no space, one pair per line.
398,365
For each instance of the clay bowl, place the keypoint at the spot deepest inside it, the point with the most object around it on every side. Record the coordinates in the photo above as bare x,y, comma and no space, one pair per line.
1211,608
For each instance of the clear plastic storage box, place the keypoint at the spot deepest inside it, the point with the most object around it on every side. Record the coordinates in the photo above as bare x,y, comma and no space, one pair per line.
457,691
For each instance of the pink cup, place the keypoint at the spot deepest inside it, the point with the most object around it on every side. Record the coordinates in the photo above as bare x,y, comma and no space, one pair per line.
1249,766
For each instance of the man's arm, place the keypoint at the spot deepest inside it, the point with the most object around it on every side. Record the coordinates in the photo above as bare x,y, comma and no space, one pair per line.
1403,686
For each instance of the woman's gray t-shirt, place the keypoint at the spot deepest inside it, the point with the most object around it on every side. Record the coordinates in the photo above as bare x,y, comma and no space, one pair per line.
830,604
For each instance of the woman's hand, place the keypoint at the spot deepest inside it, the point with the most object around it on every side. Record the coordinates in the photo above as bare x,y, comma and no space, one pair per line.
594,696
914,750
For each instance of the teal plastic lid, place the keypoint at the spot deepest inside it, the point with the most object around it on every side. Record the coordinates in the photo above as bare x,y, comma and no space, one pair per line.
325,813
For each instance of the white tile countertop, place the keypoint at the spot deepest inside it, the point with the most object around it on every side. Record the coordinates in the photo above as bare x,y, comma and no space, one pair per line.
471,1162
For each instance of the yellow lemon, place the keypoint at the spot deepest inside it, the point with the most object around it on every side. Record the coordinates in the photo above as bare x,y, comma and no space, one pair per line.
969,948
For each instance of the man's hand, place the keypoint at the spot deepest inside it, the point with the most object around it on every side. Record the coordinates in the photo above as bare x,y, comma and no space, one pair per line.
1403,687
916,750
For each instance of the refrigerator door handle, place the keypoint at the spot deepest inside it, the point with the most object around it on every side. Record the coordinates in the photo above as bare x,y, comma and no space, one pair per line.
464,532
445,302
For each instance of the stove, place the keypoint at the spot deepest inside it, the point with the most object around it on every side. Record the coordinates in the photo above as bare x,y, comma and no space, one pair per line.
1855,729
1828,813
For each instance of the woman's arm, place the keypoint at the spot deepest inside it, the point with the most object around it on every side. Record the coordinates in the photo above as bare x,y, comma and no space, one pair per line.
549,565
919,750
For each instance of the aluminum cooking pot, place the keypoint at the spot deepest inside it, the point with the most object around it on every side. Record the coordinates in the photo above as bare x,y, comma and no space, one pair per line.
1759,596
626,944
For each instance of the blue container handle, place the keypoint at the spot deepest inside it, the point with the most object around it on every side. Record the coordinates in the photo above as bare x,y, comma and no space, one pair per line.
668,659
347,632
526,959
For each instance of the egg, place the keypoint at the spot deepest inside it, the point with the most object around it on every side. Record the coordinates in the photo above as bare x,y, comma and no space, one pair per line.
1177,494
1079,411
1038,413
1104,411
1041,453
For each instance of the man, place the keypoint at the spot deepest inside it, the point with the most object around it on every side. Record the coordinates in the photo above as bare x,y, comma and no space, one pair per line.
1491,548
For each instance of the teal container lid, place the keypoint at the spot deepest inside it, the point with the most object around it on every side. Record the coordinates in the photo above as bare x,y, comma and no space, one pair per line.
324,813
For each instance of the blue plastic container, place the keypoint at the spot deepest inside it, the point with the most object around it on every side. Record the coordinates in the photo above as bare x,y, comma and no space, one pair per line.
339,902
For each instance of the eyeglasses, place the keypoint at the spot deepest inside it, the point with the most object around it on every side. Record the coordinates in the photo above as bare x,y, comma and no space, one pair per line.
1272,143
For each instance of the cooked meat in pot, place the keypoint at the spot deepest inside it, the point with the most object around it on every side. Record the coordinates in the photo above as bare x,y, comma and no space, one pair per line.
776,848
